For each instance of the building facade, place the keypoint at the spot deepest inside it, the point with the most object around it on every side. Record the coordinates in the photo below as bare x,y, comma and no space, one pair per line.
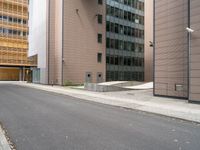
148,41
176,53
14,61
125,40
94,41
69,40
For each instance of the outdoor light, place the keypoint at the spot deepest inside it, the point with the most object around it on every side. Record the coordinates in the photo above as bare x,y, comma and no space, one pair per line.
151,44
189,30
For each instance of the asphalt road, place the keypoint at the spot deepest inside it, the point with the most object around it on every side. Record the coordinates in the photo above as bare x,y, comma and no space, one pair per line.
38,120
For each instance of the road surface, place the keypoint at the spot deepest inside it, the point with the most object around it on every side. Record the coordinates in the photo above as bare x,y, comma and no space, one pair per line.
39,120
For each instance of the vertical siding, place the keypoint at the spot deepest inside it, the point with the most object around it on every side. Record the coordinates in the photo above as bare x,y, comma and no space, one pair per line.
148,52
51,42
195,51
80,40
58,41
55,42
171,19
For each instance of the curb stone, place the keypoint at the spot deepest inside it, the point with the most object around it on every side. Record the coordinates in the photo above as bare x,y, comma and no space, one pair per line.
4,144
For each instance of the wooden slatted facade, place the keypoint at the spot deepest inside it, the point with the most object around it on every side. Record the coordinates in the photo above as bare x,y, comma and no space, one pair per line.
14,37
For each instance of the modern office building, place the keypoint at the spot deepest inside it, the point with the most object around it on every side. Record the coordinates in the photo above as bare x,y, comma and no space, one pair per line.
14,62
125,40
177,50
94,41
68,38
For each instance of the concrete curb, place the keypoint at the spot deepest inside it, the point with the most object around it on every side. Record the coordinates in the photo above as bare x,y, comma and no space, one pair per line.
4,144
188,112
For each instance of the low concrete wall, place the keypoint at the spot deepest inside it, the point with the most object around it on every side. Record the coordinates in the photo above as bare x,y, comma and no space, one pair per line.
129,83
102,88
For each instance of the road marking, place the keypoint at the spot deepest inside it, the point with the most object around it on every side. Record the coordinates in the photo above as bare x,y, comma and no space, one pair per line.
173,130
175,140
187,142
66,138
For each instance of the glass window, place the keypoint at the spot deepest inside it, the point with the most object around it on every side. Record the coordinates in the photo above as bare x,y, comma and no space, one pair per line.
107,42
108,26
123,26
100,18
99,57
99,38
100,2
107,59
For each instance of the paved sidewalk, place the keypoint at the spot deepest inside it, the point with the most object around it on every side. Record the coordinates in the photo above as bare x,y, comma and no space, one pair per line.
4,145
142,100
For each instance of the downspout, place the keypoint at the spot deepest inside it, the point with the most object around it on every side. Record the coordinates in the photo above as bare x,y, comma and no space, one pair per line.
189,51
62,71
48,42
154,44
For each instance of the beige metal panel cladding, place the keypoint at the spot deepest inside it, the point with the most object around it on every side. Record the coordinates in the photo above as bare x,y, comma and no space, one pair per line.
171,19
51,41
58,41
195,51
148,37
80,45
71,44
55,31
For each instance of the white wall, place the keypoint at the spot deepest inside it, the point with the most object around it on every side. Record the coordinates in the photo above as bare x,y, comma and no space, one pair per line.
38,30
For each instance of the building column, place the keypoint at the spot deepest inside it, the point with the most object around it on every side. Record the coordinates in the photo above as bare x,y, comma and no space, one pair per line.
22,74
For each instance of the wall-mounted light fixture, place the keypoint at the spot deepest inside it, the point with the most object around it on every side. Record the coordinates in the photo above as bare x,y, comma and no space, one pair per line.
151,44
189,30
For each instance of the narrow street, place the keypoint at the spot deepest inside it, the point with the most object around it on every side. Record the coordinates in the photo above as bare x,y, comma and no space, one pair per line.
38,120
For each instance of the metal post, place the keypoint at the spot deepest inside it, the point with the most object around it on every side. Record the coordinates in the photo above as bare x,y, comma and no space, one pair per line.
189,64
23,73
189,52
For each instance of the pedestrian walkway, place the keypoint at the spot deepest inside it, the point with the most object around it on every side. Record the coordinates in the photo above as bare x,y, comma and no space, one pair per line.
142,100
